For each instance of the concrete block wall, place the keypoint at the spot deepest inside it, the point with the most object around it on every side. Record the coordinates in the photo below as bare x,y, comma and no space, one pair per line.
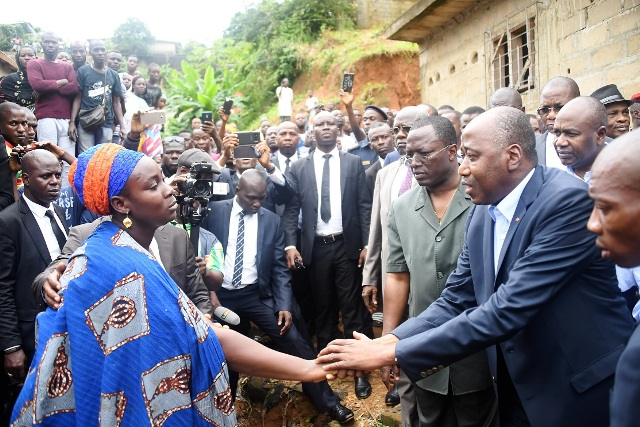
595,42
374,13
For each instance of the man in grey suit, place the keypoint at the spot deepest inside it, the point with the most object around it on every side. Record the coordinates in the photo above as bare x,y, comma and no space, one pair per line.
555,94
391,182
336,209
425,235
381,139
176,254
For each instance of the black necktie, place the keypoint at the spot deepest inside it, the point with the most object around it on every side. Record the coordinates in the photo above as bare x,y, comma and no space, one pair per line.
60,237
325,198
286,168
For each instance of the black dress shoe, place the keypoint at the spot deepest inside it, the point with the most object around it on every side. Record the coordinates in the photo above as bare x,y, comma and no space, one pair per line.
393,397
363,388
341,414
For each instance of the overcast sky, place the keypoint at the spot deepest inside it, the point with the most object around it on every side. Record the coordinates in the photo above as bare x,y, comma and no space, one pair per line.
180,20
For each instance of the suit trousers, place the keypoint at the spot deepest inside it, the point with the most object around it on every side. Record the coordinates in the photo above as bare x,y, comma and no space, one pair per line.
335,280
477,409
247,304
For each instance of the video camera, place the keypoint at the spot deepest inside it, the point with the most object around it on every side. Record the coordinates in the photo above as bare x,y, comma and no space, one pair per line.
197,187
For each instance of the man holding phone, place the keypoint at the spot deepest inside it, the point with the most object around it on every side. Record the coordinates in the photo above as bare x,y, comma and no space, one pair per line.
285,100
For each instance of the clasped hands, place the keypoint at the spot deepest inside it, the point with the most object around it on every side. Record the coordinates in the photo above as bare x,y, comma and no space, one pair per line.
358,357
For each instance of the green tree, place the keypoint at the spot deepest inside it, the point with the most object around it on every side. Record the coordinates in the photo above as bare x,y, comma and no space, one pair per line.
23,30
190,92
133,37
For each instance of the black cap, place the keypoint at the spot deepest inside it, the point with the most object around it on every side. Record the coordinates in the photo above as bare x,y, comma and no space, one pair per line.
378,109
610,94
196,155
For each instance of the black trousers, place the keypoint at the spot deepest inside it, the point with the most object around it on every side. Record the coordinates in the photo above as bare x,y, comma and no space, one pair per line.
336,282
247,304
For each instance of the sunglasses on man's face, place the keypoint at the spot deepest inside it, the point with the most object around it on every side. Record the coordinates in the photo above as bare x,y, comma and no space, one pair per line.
178,139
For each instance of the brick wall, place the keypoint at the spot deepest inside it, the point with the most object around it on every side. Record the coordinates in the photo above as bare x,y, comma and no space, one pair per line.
595,42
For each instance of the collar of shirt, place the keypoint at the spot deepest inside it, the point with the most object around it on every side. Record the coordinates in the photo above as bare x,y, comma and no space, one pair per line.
587,175
319,154
507,206
282,159
236,208
38,210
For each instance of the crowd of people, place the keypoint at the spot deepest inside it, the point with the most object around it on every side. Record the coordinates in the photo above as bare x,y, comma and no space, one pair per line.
505,296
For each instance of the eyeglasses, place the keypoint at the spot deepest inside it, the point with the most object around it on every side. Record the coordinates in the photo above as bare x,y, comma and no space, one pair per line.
423,158
178,139
397,129
543,111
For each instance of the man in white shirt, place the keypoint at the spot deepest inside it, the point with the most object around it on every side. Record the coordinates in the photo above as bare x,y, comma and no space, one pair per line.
555,95
33,233
285,100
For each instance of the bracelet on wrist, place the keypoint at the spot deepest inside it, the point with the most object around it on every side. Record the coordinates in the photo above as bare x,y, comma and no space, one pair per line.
12,349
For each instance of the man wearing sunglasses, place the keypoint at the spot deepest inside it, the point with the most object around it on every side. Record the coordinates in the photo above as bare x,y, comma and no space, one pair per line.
555,94
171,149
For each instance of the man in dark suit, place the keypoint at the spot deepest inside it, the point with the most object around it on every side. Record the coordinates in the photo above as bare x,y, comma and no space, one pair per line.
615,182
33,232
288,138
257,283
336,211
279,190
381,139
530,287
555,95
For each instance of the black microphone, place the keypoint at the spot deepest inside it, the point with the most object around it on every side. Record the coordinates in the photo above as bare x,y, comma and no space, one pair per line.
227,315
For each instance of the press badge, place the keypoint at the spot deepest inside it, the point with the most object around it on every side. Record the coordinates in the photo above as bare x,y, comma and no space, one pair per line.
220,188
366,162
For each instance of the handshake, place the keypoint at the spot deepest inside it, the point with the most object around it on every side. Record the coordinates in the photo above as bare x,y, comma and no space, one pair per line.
358,357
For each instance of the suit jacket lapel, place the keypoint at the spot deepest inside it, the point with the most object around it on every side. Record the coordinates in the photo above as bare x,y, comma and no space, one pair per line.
32,227
226,214
62,218
311,172
164,246
260,236
344,169
423,204
529,194
487,250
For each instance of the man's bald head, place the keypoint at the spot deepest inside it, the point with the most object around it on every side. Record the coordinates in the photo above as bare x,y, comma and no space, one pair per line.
429,109
506,97
615,188
251,191
408,114
615,163
593,111
251,178
32,160
567,84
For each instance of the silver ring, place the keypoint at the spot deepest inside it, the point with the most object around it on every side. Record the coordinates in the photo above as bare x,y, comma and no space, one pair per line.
9,375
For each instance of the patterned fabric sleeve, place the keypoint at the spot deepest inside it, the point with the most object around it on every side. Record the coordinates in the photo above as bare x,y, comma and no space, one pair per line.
215,260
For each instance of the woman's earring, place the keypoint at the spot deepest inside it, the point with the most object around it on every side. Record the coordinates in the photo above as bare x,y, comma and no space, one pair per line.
127,221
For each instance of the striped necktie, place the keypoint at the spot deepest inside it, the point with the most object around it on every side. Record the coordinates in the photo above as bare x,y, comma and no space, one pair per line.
237,266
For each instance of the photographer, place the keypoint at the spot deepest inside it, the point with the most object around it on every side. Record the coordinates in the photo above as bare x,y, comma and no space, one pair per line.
279,190
222,189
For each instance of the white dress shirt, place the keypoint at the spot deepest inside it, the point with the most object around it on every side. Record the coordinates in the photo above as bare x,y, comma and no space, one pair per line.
552,159
334,226
250,252
282,161
502,215
45,225
399,179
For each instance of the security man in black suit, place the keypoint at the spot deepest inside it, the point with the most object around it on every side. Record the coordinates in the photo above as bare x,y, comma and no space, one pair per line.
335,201
257,283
